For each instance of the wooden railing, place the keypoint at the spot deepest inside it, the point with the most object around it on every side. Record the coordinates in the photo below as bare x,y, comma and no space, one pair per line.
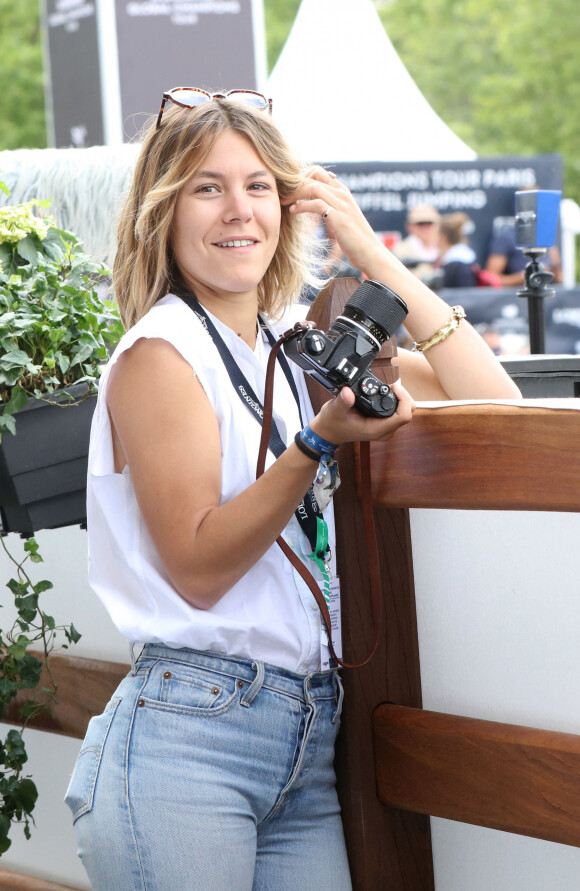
397,763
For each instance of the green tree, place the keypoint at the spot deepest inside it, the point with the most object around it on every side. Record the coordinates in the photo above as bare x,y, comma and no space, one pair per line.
21,75
503,75
280,15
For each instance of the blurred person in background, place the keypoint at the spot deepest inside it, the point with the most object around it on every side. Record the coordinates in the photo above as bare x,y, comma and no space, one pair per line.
456,258
508,262
420,250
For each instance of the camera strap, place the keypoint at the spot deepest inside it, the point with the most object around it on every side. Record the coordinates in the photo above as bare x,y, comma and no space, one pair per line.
368,519
308,513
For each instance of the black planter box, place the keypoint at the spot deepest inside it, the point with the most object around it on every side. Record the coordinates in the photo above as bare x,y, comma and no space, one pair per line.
43,468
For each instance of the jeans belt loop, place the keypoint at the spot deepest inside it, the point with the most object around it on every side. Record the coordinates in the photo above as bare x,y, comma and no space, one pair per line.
255,686
340,697
134,659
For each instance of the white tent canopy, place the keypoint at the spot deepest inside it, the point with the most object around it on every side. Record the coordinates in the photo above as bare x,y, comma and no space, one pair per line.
341,93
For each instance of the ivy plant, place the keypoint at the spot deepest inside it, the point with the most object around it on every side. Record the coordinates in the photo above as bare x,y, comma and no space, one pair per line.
20,669
55,331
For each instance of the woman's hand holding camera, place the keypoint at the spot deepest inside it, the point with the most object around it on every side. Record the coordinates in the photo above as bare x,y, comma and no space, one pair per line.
339,421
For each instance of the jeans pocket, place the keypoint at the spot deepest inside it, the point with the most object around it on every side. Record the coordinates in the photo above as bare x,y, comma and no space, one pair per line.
190,689
81,789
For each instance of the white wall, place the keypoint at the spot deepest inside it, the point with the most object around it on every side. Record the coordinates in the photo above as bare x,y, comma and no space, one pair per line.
51,852
499,621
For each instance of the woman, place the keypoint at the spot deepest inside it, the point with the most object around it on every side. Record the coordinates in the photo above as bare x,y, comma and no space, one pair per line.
456,257
211,767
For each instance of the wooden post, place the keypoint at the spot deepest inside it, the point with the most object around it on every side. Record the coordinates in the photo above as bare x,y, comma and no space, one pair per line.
387,848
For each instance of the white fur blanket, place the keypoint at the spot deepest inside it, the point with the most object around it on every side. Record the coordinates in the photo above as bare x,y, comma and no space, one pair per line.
87,187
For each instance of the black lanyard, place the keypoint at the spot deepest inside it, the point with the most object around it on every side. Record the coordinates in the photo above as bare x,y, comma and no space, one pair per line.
308,510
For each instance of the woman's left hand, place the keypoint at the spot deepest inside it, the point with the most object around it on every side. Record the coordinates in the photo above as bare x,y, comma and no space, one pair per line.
322,193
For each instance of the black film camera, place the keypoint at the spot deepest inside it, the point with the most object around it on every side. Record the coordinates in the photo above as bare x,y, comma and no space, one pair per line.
341,357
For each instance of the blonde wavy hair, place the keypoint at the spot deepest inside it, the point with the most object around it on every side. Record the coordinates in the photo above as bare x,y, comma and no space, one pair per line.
144,268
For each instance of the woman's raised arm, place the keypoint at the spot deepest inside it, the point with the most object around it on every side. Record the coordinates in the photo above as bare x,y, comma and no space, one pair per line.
460,367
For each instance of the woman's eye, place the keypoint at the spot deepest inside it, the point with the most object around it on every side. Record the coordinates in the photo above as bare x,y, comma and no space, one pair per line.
207,188
258,187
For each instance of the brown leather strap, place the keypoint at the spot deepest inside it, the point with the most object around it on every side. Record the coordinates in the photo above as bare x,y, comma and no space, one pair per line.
369,524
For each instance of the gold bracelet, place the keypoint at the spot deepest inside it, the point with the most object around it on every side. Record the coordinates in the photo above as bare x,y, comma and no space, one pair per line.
457,314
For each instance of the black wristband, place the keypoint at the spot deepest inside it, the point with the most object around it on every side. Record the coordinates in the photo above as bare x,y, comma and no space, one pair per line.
306,450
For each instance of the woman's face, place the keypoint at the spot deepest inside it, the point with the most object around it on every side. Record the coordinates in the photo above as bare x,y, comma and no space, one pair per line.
227,221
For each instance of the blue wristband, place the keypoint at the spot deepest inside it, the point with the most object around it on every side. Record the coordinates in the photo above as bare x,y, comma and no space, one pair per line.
316,442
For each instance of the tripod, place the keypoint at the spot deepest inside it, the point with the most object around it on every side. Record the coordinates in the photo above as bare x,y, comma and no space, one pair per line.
536,281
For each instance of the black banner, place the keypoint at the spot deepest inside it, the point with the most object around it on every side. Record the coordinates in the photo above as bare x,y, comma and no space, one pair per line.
75,102
483,189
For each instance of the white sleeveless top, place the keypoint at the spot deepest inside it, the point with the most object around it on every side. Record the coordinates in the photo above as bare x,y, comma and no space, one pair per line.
269,614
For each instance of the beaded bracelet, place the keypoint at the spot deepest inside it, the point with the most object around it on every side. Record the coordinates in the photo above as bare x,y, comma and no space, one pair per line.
457,314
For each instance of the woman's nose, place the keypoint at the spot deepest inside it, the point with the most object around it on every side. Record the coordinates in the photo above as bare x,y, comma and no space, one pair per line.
238,207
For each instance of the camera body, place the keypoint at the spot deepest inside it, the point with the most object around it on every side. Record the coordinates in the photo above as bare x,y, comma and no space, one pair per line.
537,212
341,357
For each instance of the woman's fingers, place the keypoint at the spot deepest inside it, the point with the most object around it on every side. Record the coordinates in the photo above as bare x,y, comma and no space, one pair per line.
319,186
322,193
340,421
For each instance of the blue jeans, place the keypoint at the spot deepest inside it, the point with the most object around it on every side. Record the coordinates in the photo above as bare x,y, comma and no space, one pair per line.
215,773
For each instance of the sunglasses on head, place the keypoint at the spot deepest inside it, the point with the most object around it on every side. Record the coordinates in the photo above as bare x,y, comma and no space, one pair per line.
424,223
191,97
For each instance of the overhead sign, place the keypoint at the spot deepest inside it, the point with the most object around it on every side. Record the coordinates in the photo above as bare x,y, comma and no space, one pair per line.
483,189
74,96
109,61
181,43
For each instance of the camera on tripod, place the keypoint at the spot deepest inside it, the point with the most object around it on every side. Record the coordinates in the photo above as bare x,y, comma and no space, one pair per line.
342,356
536,222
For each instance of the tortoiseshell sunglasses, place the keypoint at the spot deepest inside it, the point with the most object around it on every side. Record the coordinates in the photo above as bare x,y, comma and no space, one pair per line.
190,97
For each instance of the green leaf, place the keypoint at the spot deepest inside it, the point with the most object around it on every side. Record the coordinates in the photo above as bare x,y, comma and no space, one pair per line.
19,589
63,362
16,402
8,690
31,547
30,670
15,749
15,357
72,634
44,585
27,795
83,354
7,424
19,647
28,249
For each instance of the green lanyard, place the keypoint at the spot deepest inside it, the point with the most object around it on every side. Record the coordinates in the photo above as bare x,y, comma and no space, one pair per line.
321,556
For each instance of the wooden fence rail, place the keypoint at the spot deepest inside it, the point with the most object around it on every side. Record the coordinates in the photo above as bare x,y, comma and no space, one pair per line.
458,456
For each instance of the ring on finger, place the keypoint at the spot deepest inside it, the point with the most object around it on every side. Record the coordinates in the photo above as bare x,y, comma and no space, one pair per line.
326,212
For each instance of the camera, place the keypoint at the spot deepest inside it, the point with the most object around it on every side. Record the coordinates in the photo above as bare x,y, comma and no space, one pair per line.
341,357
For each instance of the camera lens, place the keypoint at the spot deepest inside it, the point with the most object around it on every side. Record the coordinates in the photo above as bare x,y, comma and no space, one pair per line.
375,308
